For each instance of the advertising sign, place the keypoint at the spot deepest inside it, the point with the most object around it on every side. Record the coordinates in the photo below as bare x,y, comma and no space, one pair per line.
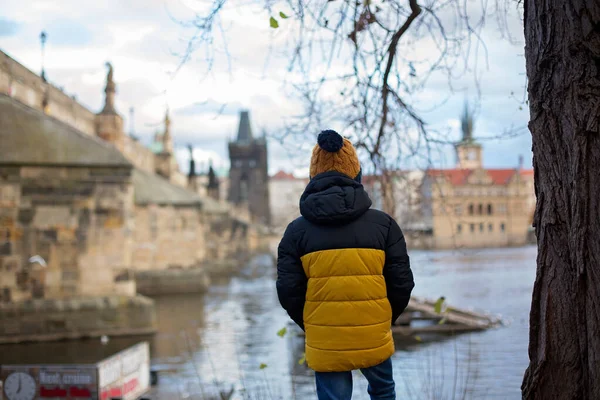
125,375
49,382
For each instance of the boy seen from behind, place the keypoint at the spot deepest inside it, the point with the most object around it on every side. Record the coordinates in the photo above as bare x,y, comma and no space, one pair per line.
343,275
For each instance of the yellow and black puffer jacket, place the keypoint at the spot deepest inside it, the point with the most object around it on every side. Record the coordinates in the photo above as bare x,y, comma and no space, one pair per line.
343,275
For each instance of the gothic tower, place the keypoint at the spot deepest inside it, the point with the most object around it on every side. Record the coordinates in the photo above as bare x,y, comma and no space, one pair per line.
109,124
248,174
468,151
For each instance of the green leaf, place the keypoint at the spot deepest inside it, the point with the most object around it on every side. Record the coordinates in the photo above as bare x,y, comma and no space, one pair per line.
442,321
262,366
273,22
282,15
437,307
282,332
302,360
418,338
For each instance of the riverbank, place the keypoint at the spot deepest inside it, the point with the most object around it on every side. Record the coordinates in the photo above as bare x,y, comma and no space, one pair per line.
74,318
210,343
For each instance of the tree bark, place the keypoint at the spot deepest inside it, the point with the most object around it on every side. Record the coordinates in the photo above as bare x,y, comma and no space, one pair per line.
563,67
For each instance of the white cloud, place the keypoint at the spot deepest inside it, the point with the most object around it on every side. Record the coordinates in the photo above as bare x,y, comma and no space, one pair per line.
202,159
140,37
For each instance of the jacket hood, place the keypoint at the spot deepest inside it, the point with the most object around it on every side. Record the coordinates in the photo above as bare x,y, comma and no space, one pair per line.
333,198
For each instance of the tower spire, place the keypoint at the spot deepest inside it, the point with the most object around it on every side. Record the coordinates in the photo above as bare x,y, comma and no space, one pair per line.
467,124
110,90
244,129
468,151
192,172
166,138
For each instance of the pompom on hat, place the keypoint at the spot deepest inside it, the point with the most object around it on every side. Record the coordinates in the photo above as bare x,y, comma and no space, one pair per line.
334,153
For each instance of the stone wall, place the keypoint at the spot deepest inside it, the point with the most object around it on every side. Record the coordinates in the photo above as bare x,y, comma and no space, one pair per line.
55,319
28,88
79,220
172,281
138,154
167,236
177,177
418,240
228,237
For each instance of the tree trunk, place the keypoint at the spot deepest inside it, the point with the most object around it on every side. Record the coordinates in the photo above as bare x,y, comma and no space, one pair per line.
563,66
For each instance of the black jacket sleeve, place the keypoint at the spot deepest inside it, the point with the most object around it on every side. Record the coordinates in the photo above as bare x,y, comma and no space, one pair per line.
291,279
398,276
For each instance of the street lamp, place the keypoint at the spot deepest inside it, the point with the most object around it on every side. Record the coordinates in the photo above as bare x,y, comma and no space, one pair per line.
43,42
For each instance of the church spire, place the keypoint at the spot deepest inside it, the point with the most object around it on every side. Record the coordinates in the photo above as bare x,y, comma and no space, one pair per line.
467,125
110,90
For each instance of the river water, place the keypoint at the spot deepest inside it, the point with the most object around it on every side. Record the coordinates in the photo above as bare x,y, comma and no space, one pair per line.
228,339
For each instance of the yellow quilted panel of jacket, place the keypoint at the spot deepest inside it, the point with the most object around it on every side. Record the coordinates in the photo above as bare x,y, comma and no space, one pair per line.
347,316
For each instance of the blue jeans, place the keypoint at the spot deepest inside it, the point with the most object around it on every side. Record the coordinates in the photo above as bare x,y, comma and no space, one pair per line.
338,385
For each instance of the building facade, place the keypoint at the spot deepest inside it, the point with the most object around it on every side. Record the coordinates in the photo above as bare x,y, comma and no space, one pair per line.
471,206
285,190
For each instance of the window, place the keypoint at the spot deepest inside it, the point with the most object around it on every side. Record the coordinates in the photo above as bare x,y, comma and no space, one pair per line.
458,209
481,227
490,227
502,227
489,209
502,208
480,209
472,226
470,209
238,163
459,228
252,163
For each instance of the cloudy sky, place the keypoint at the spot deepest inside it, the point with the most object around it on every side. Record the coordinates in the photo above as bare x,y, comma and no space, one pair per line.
145,40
